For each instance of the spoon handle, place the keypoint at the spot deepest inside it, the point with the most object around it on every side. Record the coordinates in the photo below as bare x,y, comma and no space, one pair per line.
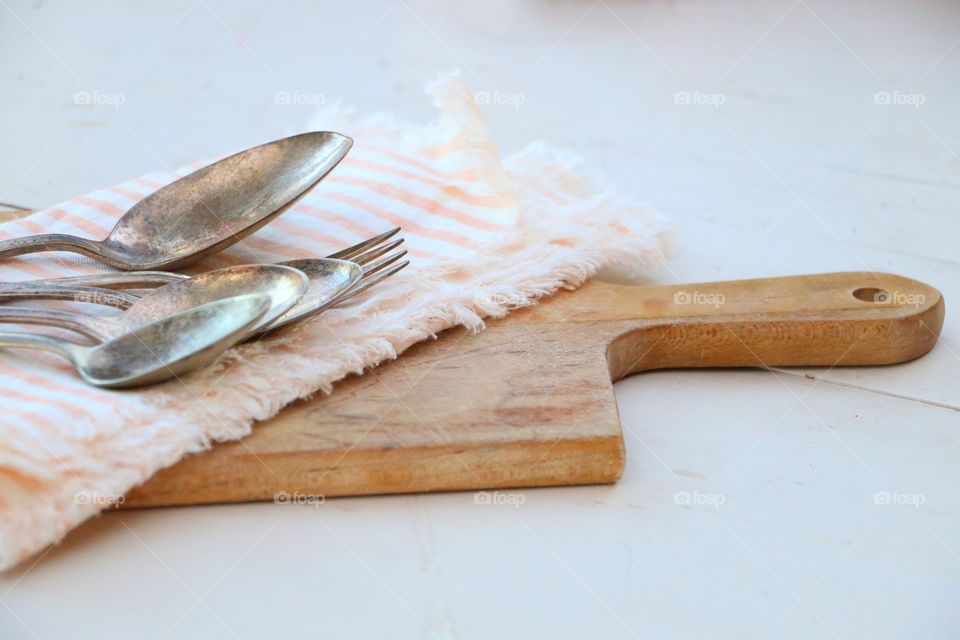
76,322
43,343
92,295
50,242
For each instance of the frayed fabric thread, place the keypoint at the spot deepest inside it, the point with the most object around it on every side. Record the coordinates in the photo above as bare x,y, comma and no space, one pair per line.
563,223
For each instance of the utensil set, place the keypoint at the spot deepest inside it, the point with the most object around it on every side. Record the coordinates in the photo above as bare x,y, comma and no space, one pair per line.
178,323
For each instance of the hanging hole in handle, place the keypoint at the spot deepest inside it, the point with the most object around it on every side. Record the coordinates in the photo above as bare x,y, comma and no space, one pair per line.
871,294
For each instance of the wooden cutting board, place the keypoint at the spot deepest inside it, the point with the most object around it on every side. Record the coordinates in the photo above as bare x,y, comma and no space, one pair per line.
529,401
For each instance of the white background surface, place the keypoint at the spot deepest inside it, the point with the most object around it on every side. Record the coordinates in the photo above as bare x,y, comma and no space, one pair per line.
799,170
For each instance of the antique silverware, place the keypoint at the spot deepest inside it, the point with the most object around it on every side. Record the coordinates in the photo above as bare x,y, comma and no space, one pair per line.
283,286
329,283
360,253
341,280
207,210
159,350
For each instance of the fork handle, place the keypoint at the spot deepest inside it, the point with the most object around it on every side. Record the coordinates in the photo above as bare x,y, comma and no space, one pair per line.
93,295
77,322
126,280
42,343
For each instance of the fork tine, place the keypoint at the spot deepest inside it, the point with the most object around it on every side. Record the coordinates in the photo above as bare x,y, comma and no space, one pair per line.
376,252
366,283
376,255
360,247
373,267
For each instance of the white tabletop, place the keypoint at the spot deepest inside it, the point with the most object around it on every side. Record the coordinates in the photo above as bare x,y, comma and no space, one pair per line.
785,161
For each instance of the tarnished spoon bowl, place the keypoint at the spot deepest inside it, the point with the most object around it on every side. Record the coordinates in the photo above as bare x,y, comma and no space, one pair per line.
208,210
327,280
160,350
285,287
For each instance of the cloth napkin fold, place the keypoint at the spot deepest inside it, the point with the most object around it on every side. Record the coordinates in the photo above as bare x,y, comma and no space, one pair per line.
485,234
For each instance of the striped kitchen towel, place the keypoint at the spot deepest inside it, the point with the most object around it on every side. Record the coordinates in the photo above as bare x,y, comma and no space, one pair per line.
485,234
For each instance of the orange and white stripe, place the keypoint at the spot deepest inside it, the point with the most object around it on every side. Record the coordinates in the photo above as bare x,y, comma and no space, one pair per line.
457,204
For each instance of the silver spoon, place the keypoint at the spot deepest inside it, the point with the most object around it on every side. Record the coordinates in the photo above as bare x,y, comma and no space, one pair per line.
208,210
284,286
160,350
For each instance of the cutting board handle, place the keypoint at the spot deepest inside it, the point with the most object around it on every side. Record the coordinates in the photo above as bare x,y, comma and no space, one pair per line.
835,319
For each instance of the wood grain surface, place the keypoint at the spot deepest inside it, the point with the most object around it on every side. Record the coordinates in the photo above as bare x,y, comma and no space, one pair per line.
529,401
